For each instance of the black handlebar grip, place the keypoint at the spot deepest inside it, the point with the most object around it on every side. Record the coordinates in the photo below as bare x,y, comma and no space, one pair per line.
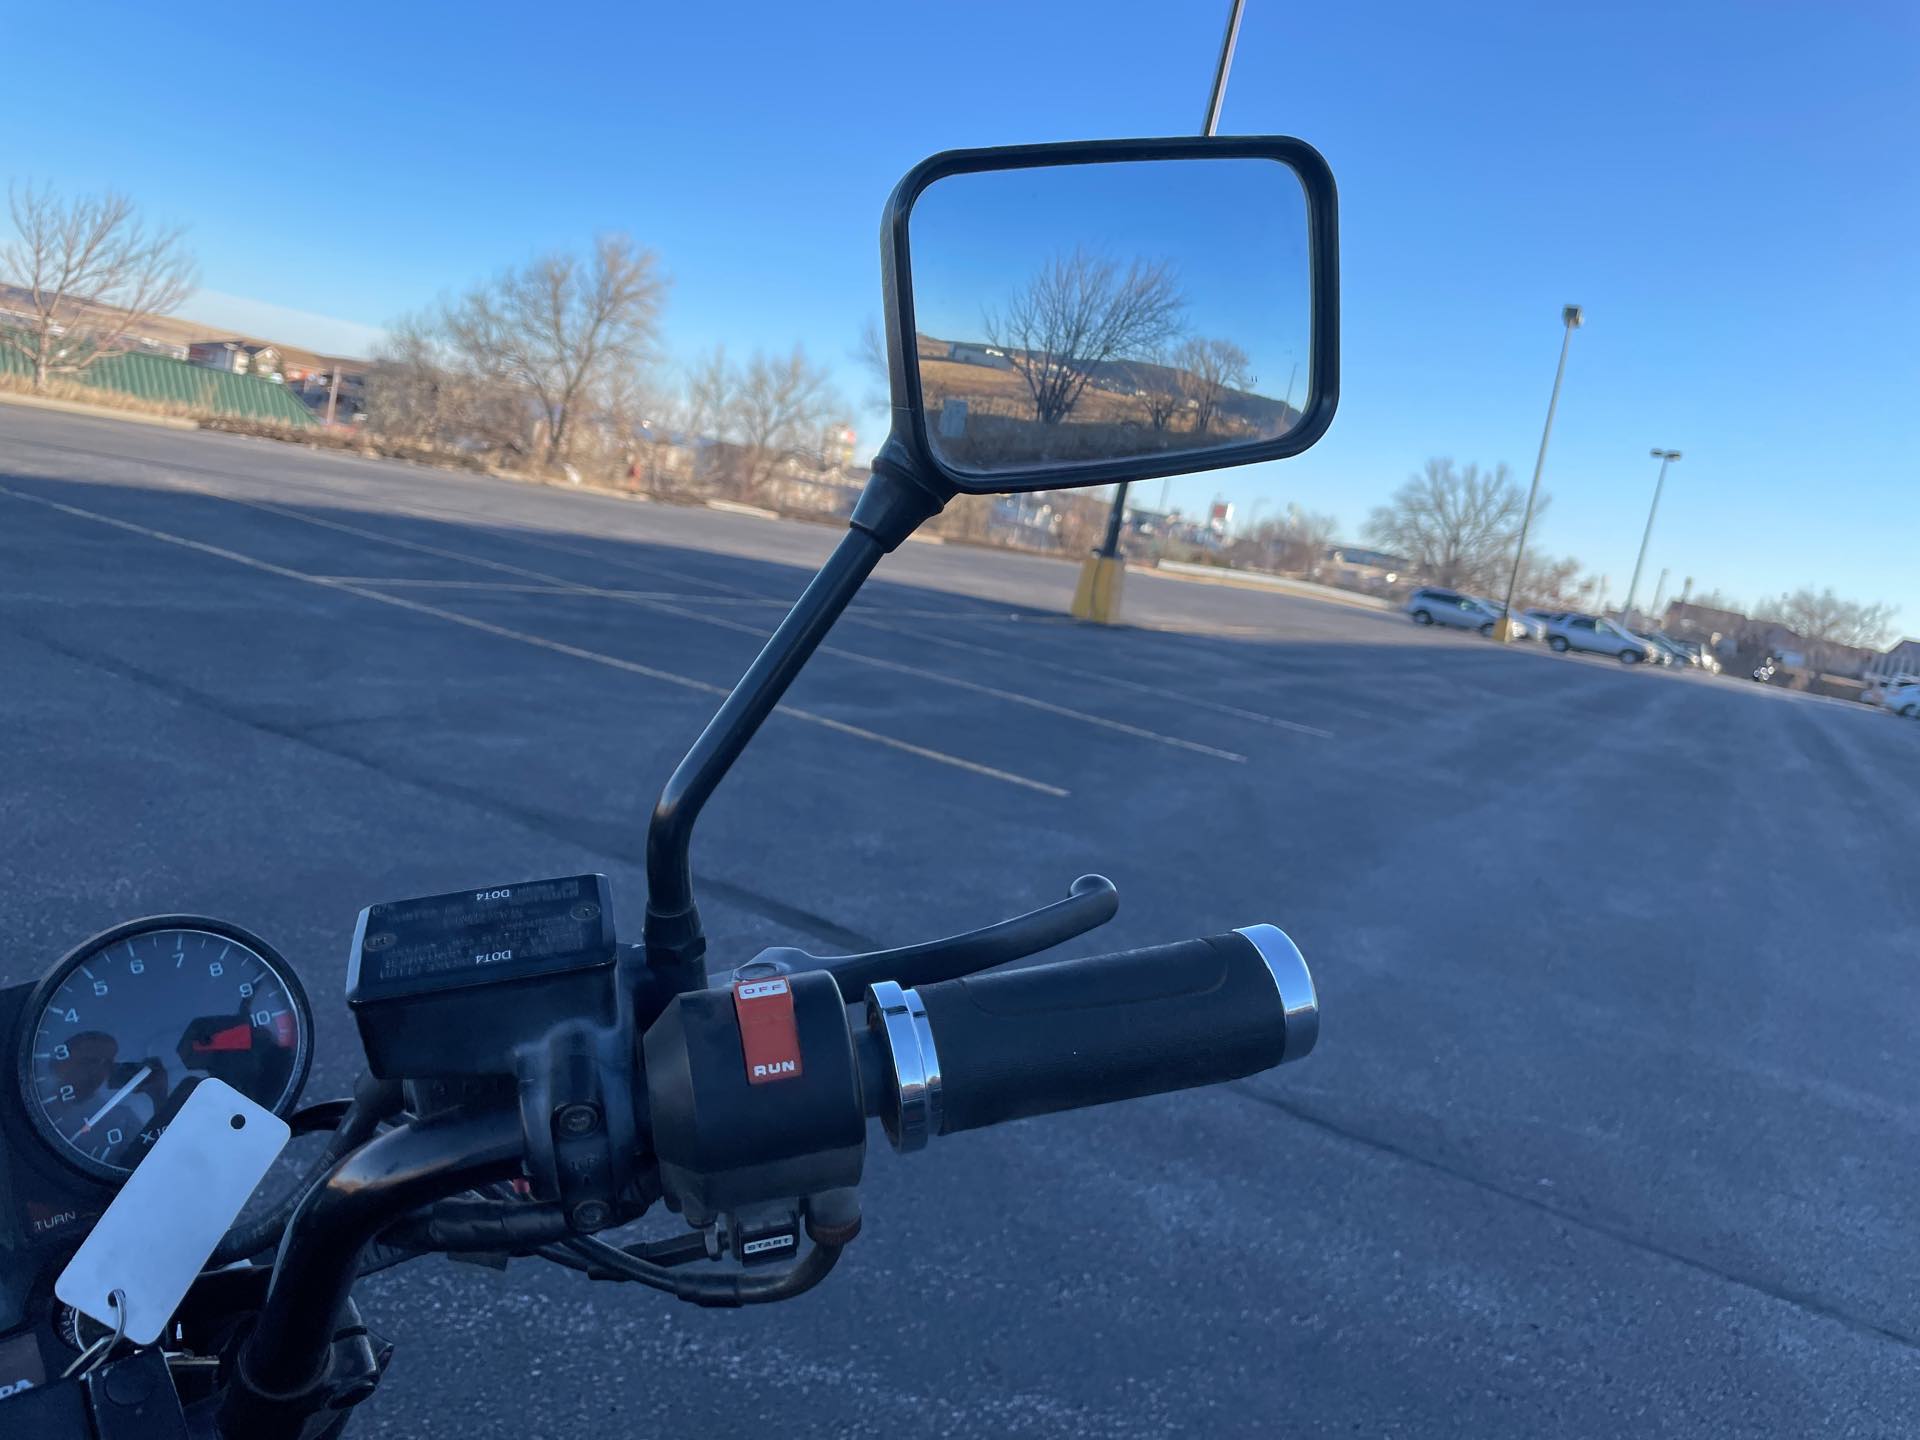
1114,1027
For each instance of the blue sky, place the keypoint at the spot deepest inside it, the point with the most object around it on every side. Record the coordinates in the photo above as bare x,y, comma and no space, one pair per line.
1729,189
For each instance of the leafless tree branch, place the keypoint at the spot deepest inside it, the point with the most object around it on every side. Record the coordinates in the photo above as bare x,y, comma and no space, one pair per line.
1078,313
95,272
1207,370
1828,623
1455,527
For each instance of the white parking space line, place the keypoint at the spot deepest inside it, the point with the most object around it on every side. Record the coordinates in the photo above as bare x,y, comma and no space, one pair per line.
576,652
1119,682
561,583
568,587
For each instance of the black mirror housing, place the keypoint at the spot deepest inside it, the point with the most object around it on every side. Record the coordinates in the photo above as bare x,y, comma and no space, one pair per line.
936,462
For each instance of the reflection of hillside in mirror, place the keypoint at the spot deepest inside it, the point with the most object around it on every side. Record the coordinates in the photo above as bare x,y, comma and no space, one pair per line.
1098,312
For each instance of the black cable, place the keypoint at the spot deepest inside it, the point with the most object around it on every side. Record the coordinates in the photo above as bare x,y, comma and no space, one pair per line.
602,1261
517,1227
373,1101
322,1115
725,1290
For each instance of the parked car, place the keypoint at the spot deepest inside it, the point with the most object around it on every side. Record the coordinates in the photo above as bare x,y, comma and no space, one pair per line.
1903,699
1696,653
1598,636
1544,618
1669,650
1430,605
1881,688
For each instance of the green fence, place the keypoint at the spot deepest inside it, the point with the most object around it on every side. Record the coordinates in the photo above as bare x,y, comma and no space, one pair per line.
174,382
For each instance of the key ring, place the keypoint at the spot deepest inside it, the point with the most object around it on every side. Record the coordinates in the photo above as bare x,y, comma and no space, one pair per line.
95,1355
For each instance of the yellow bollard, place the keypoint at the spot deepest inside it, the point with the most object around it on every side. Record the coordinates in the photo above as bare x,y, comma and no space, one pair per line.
1097,596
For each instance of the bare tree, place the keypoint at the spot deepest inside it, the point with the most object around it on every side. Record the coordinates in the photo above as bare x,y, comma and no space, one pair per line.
1300,541
627,419
1828,623
777,408
1715,599
870,353
1158,379
1208,370
1456,527
1549,581
708,406
94,272
1078,313
423,388
771,408
559,327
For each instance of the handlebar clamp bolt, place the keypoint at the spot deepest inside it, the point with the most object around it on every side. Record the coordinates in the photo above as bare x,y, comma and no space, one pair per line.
582,1119
591,1215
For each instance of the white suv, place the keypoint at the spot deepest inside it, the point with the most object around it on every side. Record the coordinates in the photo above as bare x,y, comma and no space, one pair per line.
1431,605
1880,689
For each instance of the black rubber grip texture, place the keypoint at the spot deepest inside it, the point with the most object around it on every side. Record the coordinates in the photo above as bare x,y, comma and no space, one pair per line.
1112,1027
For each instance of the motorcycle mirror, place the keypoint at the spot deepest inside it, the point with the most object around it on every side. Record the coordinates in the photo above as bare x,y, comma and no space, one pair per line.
1081,314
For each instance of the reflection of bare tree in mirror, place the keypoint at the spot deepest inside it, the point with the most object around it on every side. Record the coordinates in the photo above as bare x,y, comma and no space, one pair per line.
1208,369
1159,386
1077,314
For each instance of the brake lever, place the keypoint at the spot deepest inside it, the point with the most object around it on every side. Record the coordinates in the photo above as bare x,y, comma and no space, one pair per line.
1091,903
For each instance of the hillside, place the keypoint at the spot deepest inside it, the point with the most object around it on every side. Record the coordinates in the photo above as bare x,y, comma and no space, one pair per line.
1110,395
172,330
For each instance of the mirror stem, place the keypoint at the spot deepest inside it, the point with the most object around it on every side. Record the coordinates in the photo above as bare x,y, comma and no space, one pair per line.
893,505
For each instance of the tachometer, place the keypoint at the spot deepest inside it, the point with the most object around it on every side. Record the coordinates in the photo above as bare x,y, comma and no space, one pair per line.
120,1031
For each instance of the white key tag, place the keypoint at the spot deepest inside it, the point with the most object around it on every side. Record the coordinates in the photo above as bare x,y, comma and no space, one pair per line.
163,1226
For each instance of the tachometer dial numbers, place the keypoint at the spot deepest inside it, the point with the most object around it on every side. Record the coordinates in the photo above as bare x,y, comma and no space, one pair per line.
120,1032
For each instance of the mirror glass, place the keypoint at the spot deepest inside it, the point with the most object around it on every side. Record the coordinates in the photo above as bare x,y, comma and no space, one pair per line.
1111,311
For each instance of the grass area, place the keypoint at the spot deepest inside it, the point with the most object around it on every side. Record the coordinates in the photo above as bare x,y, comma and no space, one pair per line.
99,398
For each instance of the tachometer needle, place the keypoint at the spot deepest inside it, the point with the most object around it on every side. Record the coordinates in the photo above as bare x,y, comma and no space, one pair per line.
118,1095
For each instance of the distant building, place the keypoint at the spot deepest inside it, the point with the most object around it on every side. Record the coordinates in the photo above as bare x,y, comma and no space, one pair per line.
966,352
1900,660
1705,623
236,357
1352,568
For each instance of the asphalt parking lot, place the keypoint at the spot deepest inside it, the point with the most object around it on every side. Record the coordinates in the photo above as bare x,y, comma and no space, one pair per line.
1612,1129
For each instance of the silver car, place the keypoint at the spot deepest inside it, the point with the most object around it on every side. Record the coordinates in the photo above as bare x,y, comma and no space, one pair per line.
1431,605
1598,636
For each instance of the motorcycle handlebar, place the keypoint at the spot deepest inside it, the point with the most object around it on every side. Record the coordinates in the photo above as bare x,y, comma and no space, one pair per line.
1004,1046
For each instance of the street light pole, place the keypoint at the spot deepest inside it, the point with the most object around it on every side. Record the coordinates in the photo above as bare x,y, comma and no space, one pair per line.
1573,318
1666,458
1110,546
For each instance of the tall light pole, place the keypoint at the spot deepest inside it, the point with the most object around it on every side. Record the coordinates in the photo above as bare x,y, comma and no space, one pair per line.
1216,97
1573,319
1666,458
